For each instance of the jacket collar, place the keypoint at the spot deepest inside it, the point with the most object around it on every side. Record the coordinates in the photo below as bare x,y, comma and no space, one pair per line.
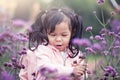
57,51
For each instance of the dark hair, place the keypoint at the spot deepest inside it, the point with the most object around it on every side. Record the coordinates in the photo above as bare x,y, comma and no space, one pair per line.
46,22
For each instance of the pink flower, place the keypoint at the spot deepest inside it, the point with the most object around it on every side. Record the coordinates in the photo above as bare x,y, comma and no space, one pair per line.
89,28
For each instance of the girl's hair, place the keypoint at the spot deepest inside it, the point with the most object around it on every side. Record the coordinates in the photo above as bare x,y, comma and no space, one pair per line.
46,22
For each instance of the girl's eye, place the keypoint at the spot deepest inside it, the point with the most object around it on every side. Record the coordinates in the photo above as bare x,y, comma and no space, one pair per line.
64,35
52,35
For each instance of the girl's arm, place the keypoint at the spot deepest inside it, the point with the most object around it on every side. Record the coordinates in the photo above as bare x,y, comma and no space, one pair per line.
29,62
23,72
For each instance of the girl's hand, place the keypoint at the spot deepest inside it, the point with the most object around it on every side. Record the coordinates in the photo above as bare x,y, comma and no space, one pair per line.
79,69
79,66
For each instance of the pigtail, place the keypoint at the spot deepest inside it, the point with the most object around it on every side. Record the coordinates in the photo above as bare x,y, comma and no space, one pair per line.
77,29
36,36
79,26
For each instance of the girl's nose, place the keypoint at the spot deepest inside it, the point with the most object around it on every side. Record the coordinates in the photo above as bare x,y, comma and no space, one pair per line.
58,38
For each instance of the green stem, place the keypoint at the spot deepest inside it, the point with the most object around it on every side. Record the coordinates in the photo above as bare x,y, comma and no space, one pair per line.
108,20
99,21
91,33
103,18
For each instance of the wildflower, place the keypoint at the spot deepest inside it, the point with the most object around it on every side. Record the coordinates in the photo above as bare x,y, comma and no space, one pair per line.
81,42
46,71
91,37
13,59
116,47
111,33
6,76
103,43
97,37
19,23
110,71
113,13
115,26
100,2
22,52
8,64
21,66
89,28
103,30
96,47
88,49
89,72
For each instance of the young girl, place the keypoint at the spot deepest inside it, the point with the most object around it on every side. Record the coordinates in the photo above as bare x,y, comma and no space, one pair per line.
50,44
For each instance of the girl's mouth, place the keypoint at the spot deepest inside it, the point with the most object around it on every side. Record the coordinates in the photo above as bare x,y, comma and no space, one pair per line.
59,47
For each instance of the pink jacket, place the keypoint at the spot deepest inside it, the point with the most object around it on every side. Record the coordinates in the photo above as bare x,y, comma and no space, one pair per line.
44,56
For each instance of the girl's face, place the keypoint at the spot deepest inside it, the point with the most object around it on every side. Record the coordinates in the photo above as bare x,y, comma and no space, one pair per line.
60,37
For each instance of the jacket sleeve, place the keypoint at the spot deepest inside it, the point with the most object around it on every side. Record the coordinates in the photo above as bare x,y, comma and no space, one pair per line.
23,72
29,62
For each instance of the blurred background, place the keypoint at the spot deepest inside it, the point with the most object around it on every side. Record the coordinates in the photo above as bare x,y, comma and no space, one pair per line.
16,17
23,12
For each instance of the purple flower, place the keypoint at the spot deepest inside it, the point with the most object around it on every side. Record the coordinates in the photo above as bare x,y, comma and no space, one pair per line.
116,47
89,28
22,52
5,48
19,23
97,37
111,33
88,49
89,72
103,44
21,37
81,42
13,59
46,71
6,34
6,75
111,71
117,37
103,31
99,2
96,47
8,64
115,26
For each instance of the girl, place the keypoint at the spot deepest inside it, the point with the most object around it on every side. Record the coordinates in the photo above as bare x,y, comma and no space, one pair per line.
50,44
